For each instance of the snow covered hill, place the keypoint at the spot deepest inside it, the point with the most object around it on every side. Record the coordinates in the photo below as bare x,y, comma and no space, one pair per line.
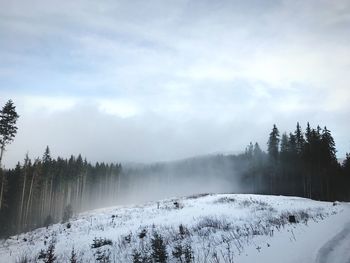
201,228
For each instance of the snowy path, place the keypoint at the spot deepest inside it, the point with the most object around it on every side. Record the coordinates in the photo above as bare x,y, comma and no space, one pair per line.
336,250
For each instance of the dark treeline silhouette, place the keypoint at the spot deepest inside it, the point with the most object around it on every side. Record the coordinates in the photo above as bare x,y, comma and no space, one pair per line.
46,190
49,190
299,163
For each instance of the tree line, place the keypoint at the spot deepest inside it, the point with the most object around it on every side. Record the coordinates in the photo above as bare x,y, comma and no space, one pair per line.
45,190
300,164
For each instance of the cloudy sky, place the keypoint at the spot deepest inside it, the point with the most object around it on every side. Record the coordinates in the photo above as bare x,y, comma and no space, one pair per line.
161,80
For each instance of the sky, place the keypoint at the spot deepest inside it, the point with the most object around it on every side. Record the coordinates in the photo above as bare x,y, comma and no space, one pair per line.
145,81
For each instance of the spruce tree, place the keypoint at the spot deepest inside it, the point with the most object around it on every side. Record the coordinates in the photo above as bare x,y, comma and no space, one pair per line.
8,130
273,144
328,147
284,147
299,140
159,253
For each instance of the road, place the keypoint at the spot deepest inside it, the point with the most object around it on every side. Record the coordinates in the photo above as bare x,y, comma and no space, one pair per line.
337,249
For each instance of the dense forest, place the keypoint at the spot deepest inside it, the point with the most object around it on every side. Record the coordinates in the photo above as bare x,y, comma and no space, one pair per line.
45,190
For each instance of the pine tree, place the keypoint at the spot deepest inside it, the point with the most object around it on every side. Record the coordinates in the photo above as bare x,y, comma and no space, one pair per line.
47,156
299,140
8,130
328,147
273,144
284,147
346,164
159,253
49,254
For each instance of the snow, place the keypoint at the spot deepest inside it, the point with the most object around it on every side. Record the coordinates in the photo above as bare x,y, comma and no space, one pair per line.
337,248
248,228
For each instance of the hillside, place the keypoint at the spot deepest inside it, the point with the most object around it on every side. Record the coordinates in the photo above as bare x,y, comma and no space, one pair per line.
202,228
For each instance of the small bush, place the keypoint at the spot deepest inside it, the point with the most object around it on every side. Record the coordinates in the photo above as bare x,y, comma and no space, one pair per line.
183,253
48,255
196,196
136,257
100,242
183,231
143,233
225,200
159,253
73,257
102,256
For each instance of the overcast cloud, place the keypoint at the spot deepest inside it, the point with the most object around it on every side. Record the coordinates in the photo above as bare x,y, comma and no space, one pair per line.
160,80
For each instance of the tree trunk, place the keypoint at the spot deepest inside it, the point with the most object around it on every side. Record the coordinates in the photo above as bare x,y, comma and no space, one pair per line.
2,187
20,217
2,176
29,197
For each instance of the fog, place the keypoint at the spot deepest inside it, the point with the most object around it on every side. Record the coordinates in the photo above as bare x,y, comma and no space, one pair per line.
147,138
123,81
170,90
207,174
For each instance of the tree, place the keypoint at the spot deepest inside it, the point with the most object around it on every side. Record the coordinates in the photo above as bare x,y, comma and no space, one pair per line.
273,144
8,130
328,147
346,164
299,139
47,156
159,253
284,147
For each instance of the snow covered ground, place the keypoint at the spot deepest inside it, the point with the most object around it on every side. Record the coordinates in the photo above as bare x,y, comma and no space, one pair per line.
205,228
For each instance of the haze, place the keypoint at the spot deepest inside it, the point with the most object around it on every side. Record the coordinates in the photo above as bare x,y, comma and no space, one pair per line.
146,81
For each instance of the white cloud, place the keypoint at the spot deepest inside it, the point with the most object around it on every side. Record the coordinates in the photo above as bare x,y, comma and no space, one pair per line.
220,63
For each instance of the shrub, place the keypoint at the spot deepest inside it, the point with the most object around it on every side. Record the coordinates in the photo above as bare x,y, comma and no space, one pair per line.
159,253
73,257
143,233
183,253
48,255
100,242
136,257
102,256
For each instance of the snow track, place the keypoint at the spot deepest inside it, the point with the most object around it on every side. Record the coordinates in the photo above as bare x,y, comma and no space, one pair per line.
336,250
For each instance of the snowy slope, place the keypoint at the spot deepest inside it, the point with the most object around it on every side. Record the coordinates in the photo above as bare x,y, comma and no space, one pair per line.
224,227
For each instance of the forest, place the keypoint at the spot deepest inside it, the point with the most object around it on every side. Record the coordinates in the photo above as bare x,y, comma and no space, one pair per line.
48,190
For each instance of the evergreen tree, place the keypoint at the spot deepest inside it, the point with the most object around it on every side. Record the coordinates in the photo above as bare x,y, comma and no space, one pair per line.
159,253
8,130
273,144
284,147
346,164
328,147
292,143
299,140
47,156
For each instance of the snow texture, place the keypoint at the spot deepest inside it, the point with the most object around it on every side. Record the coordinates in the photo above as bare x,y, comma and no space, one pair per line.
217,228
